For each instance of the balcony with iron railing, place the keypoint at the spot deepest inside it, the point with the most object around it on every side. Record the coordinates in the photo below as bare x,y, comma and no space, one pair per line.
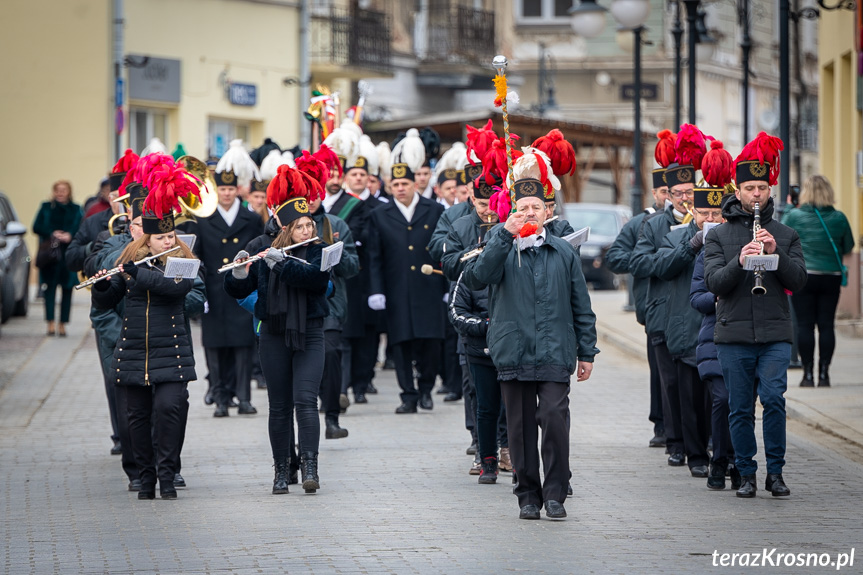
350,43
458,34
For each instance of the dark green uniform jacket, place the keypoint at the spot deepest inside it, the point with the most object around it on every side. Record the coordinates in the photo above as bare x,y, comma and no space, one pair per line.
643,265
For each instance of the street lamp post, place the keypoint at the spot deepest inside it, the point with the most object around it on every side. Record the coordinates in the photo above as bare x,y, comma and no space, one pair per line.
636,193
692,35
677,33
746,47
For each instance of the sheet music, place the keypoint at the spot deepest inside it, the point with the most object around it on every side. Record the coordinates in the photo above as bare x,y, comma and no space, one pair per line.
188,239
709,226
767,263
577,238
182,268
331,256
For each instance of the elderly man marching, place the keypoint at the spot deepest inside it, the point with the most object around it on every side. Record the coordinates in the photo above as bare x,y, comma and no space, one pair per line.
541,331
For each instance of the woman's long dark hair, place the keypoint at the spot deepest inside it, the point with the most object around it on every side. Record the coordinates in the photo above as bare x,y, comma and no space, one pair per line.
284,240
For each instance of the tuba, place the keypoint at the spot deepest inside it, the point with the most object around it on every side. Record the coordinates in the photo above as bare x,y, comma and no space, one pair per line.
192,206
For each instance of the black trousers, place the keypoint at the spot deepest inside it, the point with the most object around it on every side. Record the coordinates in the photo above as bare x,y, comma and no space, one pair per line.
723,450
293,381
425,353
156,427
106,359
331,380
655,415
450,368
529,406
230,372
694,417
670,397
815,305
127,458
364,356
468,392
488,402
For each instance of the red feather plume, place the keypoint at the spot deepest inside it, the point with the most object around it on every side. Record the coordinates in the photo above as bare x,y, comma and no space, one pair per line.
717,167
494,162
764,148
317,171
479,141
166,181
664,152
560,151
329,158
690,147
126,163
289,183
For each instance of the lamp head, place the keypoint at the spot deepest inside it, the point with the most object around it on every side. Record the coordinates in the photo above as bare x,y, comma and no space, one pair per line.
499,63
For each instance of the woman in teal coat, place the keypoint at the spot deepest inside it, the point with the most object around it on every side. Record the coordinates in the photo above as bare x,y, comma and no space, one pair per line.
825,237
57,221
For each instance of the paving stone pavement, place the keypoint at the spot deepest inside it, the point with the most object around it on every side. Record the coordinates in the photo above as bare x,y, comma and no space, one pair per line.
396,496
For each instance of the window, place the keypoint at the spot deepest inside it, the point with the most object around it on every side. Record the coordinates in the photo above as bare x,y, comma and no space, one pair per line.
221,132
146,124
543,11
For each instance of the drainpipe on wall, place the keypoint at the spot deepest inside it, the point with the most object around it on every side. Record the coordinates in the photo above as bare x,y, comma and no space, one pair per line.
305,74
118,78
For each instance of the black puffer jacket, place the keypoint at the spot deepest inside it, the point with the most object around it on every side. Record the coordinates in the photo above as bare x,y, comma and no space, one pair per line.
154,345
468,312
740,316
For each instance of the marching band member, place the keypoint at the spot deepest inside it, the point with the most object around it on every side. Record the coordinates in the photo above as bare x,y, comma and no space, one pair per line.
291,306
753,331
153,358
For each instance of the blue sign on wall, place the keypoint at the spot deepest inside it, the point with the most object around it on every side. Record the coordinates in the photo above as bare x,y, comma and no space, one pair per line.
243,94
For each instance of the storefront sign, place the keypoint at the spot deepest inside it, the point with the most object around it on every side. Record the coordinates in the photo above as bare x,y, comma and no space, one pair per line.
156,79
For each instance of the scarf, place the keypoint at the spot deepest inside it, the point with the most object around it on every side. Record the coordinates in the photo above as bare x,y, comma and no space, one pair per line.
286,309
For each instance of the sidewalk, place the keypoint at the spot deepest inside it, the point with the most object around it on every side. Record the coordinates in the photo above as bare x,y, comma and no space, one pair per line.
837,410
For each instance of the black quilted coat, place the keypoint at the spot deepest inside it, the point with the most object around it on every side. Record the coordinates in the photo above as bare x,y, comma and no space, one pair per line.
154,346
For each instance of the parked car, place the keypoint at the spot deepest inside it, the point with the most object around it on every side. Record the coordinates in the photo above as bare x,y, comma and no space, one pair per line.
605,222
14,262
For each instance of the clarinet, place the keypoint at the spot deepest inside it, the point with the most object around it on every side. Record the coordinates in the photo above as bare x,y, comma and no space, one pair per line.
758,288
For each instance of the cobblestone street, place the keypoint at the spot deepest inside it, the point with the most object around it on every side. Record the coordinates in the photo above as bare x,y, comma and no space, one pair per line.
396,496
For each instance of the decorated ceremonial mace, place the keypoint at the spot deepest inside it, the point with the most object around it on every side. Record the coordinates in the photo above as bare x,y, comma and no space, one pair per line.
499,63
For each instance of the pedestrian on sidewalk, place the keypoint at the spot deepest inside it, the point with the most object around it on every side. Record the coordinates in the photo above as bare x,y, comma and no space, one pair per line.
753,330
56,224
826,237
292,306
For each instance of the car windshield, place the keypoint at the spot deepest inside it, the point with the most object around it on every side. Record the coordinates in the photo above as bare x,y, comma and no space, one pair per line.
601,222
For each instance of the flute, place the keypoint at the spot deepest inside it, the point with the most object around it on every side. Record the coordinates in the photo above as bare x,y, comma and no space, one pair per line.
118,269
256,257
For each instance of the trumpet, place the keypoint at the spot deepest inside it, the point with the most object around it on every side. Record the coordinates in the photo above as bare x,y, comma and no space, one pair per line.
256,257
118,269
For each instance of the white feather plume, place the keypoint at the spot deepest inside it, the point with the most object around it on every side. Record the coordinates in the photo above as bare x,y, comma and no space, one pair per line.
155,147
270,164
289,158
385,162
453,159
410,151
527,166
238,160
344,140
367,150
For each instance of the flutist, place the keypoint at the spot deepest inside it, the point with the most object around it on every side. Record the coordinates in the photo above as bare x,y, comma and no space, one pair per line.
753,332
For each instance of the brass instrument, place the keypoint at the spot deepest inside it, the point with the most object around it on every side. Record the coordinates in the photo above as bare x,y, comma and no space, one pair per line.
758,288
256,257
193,207
429,270
118,269
111,229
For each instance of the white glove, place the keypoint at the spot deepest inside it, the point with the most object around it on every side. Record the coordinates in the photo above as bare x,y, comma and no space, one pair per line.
446,297
273,257
378,302
241,272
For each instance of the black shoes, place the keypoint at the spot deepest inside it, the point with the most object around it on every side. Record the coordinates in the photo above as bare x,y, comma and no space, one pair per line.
747,486
569,489
808,379
488,471
471,450
452,396
309,465
117,449
208,397
344,402
530,511
371,389
147,491
407,408
734,475
360,398
716,479
221,410
698,471
657,441
776,485
333,429
554,509
167,490
135,485
179,482
823,375
280,481
246,408
426,401
677,460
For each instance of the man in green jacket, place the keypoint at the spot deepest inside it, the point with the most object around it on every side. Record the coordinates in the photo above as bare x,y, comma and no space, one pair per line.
541,331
